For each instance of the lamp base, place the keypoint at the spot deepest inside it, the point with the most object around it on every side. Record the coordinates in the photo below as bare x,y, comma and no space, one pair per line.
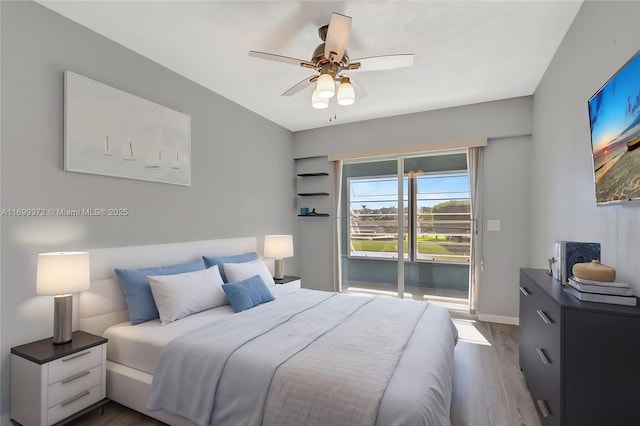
278,270
62,318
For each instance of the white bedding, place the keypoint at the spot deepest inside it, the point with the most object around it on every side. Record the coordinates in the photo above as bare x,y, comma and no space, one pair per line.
139,346
418,392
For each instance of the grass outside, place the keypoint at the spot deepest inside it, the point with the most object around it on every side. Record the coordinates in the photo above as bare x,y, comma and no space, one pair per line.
426,246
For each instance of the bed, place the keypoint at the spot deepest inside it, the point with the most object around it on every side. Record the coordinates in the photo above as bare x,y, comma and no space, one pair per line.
307,357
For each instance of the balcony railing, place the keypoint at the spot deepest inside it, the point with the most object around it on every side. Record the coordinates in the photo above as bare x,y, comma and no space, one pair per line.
375,235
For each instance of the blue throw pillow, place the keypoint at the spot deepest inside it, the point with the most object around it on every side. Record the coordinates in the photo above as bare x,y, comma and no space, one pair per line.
247,293
137,292
221,260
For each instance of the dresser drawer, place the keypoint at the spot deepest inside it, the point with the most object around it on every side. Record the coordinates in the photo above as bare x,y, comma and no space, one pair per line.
547,403
78,362
74,404
74,385
545,393
537,308
541,316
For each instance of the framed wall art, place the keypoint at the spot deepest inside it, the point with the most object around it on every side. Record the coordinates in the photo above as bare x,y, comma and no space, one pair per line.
113,133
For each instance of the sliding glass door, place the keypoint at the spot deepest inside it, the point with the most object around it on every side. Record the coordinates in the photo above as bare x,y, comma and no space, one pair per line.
420,215
374,238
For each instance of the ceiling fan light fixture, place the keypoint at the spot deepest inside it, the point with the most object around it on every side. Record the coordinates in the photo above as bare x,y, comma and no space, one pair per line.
346,93
318,102
325,87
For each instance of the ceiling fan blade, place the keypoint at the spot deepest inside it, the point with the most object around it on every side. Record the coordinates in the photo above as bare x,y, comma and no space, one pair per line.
381,63
280,58
337,37
359,89
298,87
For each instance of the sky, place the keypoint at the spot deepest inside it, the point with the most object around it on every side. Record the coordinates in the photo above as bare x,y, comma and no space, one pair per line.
615,110
432,190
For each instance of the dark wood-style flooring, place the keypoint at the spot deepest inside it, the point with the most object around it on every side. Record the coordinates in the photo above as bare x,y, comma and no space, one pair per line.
488,389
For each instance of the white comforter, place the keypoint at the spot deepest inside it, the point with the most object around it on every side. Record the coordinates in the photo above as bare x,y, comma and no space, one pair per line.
313,358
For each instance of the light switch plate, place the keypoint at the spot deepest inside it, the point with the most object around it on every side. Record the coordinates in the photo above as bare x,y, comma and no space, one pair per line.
493,225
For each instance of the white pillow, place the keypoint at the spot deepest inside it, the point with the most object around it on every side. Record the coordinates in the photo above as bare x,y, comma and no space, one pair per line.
180,295
242,271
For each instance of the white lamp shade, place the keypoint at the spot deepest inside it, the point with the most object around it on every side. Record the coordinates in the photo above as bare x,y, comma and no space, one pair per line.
346,94
278,246
62,273
317,102
325,87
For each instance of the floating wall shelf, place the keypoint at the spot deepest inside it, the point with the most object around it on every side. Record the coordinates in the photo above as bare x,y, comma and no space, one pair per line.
312,194
312,174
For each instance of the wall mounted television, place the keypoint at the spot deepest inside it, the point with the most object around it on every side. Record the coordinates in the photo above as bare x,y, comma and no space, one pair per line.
614,117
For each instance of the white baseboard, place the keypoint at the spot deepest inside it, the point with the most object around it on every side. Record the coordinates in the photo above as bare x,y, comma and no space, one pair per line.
500,319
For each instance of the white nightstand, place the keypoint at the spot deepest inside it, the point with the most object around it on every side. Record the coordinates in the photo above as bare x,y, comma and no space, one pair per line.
289,281
54,383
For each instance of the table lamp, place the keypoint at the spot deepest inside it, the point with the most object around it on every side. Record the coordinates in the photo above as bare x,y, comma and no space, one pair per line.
61,274
278,247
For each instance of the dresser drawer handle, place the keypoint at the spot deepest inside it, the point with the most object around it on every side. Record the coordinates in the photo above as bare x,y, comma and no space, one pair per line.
542,356
75,398
76,356
544,316
76,376
543,408
524,291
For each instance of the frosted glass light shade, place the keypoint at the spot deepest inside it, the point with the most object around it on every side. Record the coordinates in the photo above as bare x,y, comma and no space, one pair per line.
319,103
346,93
62,273
325,86
278,246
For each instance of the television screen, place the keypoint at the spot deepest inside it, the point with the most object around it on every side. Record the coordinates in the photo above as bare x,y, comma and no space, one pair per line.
614,116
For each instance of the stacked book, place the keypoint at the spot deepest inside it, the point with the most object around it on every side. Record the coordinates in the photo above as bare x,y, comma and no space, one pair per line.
601,291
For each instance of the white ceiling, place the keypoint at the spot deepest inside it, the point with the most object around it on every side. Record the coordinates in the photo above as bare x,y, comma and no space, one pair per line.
465,51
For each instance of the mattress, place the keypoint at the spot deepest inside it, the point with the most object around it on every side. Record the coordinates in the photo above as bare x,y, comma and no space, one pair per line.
139,346
418,390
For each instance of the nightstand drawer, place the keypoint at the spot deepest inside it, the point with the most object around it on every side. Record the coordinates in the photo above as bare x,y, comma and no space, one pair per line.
289,281
292,284
50,383
74,385
74,404
78,362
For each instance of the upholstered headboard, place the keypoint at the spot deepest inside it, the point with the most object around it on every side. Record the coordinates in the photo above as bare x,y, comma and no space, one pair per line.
103,305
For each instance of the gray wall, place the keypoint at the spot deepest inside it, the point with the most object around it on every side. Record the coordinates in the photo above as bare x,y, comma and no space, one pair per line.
243,175
505,118
315,248
505,197
506,174
603,36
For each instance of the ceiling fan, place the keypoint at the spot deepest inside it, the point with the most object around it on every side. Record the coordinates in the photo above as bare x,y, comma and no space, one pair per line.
331,61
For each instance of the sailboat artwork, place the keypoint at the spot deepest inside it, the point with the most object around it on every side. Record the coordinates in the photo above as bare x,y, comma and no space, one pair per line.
176,165
155,160
113,133
107,147
127,152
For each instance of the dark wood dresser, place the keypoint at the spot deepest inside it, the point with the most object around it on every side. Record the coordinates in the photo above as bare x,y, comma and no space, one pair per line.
581,360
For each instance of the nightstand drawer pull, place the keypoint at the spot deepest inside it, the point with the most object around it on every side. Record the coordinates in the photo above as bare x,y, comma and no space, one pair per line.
63,368
76,376
543,408
75,398
76,356
524,291
542,356
544,317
